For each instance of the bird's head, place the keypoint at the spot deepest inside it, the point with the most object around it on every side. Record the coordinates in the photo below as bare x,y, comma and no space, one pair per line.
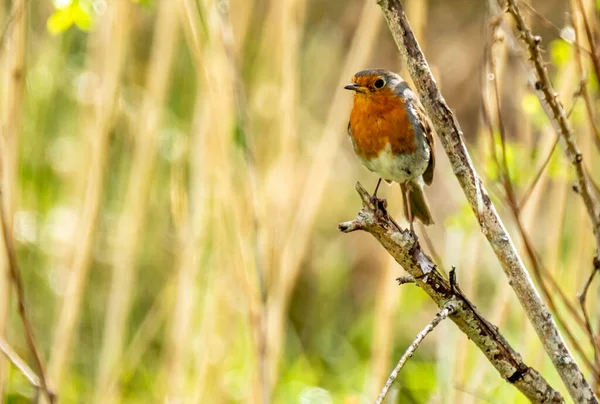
374,83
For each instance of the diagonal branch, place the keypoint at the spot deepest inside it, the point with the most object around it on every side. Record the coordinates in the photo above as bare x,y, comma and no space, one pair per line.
450,135
15,274
403,246
20,364
547,94
449,309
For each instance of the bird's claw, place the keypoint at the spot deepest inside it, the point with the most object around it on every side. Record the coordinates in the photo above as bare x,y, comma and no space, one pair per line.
380,206
380,210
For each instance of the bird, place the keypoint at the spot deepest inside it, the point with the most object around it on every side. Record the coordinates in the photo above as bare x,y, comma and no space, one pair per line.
393,137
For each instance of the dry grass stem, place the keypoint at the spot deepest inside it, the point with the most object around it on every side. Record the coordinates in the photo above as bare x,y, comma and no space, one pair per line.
108,61
20,364
13,38
15,275
171,173
131,220
316,177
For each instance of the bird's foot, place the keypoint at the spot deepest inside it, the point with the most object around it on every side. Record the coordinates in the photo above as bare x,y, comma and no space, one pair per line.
380,206
380,210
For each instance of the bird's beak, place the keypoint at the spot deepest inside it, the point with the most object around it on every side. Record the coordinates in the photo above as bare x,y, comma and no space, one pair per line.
355,87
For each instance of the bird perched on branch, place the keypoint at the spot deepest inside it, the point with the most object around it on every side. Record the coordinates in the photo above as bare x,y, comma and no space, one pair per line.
393,137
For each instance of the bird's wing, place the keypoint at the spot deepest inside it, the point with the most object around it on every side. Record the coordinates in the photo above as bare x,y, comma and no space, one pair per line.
428,130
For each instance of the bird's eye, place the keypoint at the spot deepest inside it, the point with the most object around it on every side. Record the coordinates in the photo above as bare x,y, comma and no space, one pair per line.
379,83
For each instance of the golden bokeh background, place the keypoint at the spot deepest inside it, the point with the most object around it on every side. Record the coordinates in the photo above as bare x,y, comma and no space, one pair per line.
174,172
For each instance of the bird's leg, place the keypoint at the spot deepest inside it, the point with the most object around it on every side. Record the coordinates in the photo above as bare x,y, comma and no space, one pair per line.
378,204
376,188
409,209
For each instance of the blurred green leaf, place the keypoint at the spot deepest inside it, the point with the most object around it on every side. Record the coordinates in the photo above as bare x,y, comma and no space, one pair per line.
516,160
560,52
532,108
60,21
556,166
82,17
239,137
461,220
76,13
419,377
579,114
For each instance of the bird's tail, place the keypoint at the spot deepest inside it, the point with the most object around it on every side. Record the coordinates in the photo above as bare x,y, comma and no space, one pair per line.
418,203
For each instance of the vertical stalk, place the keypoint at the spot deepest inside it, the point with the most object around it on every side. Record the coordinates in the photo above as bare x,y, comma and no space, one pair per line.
131,220
319,171
108,60
13,65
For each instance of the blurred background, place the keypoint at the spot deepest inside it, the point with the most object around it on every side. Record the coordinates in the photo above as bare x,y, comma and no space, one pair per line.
175,171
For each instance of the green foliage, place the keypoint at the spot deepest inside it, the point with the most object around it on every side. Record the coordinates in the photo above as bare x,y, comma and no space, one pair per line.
561,53
461,220
338,301
530,104
77,12
516,157
418,378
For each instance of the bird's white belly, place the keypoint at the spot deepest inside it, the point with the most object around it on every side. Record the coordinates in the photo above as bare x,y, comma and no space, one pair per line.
401,167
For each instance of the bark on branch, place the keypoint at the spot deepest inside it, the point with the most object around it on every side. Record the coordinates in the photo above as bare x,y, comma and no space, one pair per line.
404,247
450,135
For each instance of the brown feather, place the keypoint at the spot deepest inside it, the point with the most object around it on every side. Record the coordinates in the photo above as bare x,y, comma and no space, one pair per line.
428,130
380,119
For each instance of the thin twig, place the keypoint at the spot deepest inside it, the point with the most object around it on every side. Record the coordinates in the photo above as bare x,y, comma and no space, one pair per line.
550,24
19,364
15,274
450,135
547,94
590,38
527,194
404,279
583,86
596,138
253,182
431,247
406,250
540,273
581,297
449,309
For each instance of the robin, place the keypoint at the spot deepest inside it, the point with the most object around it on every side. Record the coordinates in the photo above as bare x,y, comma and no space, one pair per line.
393,137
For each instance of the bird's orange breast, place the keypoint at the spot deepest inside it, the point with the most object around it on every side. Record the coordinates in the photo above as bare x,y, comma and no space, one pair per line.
380,119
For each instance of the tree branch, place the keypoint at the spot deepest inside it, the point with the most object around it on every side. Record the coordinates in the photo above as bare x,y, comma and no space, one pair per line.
405,249
450,134
443,314
546,93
